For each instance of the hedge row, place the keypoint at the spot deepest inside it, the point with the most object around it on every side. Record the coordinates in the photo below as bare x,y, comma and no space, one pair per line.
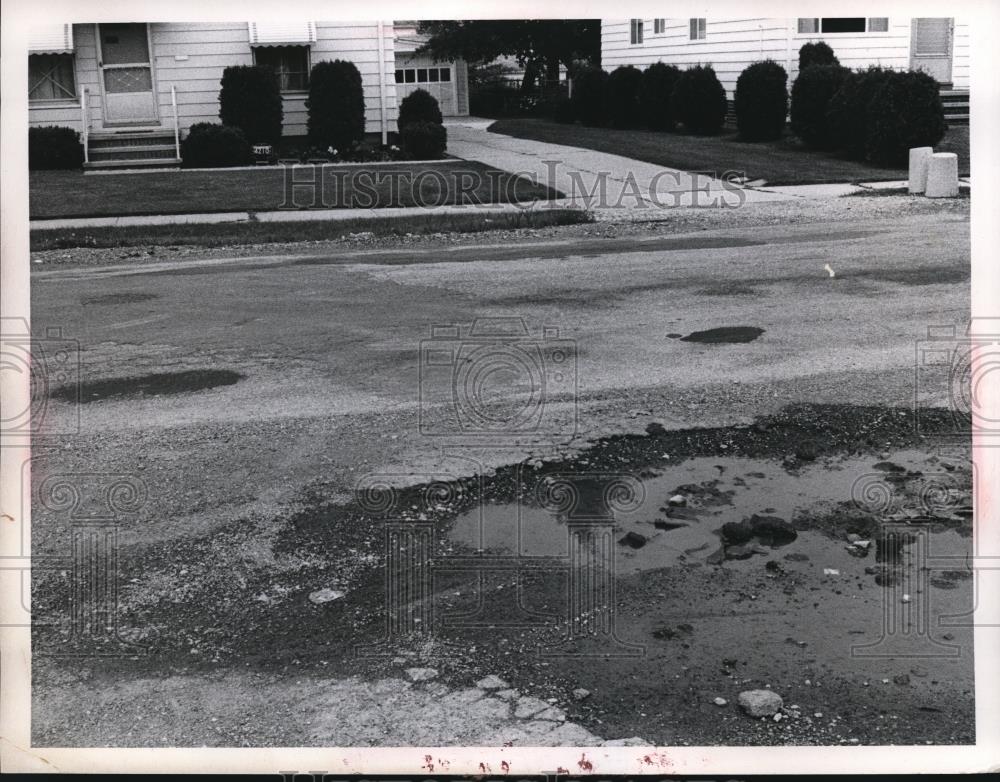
658,98
872,114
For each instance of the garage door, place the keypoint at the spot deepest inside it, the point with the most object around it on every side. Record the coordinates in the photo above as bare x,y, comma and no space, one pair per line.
438,80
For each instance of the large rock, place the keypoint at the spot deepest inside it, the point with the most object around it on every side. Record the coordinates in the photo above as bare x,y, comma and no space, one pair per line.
772,529
421,674
736,533
760,703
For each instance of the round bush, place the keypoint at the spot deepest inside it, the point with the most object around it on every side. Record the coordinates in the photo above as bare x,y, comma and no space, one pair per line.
423,140
621,97
818,53
658,81
762,101
418,106
588,95
848,109
811,94
336,105
699,100
54,147
904,112
209,145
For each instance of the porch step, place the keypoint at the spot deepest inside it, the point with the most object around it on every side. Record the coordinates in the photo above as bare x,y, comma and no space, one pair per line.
159,162
132,148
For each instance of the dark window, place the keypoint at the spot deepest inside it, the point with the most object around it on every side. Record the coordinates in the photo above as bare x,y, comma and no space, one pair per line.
659,26
432,74
422,75
399,76
635,31
291,63
50,77
698,29
445,74
411,75
842,24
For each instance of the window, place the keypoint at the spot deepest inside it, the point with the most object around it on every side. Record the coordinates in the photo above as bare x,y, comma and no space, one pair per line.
51,77
422,75
659,26
636,32
698,29
841,24
291,63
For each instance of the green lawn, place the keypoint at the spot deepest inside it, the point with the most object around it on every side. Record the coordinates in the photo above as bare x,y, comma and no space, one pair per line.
226,234
56,194
783,162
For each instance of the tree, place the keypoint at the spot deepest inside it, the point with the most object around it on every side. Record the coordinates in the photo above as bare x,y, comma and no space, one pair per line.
539,45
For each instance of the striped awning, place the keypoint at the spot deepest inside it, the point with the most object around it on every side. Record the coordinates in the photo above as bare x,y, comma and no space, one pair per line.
51,39
281,33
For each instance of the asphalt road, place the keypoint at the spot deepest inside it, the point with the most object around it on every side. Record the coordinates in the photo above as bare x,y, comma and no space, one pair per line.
329,350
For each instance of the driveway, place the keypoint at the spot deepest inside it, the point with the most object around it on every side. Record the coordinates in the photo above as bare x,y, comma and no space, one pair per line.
596,180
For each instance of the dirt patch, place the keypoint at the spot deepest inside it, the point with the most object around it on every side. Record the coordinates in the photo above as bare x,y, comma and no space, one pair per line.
157,384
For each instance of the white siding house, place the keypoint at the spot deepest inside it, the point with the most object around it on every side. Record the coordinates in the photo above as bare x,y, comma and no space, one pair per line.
939,46
124,78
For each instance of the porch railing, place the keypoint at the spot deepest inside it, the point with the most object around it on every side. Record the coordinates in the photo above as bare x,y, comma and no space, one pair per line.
177,125
85,123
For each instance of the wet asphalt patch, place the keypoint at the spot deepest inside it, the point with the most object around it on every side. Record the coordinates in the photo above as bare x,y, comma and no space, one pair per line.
724,335
158,384
118,298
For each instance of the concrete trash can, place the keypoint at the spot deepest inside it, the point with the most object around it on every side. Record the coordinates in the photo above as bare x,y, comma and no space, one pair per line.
942,175
919,157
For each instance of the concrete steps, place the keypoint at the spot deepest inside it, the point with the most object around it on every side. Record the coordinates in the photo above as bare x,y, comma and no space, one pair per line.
134,148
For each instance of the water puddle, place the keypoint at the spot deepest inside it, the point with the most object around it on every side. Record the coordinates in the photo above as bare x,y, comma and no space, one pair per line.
160,384
681,513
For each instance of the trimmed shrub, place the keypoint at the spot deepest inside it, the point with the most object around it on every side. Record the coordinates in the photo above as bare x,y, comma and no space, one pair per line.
658,81
494,101
904,112
208,145
818,53
699,100
424,140
621,97
848,109
563,110
762,101
811,94
588,95
250,99
418,106
336,105
54,147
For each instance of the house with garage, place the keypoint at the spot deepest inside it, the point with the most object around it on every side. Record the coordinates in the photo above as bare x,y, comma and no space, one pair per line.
448,81
133,89
939,46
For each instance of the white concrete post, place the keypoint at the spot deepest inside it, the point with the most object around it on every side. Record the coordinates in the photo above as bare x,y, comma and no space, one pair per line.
942,175
918,168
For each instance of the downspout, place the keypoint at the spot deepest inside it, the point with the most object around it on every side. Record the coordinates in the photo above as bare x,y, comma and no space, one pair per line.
381,85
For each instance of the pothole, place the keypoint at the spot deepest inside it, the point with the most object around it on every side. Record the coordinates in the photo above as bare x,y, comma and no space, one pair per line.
724,335
158,384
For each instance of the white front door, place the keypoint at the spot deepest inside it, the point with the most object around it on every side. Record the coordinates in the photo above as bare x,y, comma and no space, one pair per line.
126,74
930,47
